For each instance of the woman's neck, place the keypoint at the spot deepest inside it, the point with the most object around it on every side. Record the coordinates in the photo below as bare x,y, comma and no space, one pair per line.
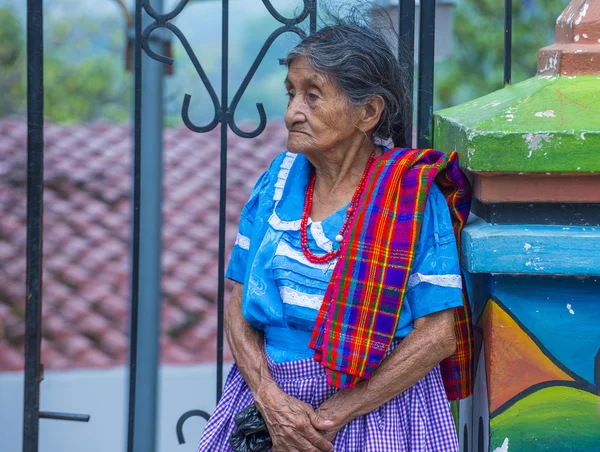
338,173
339,170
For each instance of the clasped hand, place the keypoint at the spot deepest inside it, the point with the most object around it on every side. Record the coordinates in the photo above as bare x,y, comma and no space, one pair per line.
294,425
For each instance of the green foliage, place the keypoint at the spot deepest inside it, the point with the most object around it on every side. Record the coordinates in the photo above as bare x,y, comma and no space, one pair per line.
84,71
11,56
11,43
476,66
85,91
84,78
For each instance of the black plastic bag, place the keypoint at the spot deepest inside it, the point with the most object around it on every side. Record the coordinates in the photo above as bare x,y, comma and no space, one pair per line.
250,434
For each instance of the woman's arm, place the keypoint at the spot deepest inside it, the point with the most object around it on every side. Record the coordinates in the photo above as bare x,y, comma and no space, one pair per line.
287,418
432,340
247,347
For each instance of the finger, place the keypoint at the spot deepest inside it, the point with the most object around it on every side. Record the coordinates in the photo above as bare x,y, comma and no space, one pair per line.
306,439
307,444
318,441
292,445
330,435
297,438
321,423
284,447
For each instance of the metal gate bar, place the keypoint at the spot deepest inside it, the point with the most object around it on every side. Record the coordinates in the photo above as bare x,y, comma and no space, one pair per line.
226,117
135,245
35,191
507,41
406,53
426,65
33,372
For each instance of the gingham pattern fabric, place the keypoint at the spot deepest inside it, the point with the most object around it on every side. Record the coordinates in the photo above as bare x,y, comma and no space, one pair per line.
362,305
419,419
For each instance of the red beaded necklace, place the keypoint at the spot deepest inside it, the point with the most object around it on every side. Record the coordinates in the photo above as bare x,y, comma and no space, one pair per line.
308,201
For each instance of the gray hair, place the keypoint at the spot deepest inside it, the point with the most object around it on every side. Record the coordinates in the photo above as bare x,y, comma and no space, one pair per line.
359,60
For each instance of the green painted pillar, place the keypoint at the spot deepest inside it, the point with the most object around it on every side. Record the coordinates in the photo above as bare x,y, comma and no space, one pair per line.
531,251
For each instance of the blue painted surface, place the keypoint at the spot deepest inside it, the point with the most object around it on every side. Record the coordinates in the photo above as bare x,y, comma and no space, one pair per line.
479,288
530,249
562,313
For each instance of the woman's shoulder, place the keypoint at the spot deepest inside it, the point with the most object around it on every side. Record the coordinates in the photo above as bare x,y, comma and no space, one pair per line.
436,195
436,202
436,217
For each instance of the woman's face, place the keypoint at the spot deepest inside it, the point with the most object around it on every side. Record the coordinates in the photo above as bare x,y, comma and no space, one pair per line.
318,116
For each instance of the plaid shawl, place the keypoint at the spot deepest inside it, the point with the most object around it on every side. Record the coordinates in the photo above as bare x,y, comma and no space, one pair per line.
360,312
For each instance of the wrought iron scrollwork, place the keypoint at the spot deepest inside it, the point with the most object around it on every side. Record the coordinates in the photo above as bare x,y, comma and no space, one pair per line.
248,79
161,21
290,25
224,114
163,17
308,6
184,417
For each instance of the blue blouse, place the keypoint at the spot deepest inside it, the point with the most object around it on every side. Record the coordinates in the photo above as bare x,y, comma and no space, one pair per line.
283,291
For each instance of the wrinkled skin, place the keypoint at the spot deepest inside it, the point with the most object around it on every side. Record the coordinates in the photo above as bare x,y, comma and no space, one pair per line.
337,138
318,116
290,422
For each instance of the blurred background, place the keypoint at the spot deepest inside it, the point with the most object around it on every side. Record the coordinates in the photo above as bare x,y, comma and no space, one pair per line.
86,47
88,105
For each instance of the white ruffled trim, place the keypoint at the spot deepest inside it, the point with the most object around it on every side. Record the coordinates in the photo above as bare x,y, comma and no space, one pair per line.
453,281
281,225
316,228
284,171
296,298
242,241
283,249
288,160
278,224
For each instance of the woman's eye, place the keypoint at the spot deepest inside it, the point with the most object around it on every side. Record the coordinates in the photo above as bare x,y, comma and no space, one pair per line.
312,96
290,95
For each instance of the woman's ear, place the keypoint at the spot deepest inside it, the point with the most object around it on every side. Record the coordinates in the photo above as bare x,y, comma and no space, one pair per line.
371,114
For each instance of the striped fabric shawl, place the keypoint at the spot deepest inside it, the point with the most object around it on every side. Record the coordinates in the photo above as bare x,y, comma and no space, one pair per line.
360,312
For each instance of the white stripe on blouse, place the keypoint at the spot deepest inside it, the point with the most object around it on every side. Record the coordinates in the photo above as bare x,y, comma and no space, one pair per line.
453,281
242,241
283,249
297,298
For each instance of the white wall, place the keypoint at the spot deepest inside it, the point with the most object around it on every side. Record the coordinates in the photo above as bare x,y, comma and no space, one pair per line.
103,395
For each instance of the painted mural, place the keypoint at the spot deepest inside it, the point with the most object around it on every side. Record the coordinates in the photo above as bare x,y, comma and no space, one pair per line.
538,367
530,252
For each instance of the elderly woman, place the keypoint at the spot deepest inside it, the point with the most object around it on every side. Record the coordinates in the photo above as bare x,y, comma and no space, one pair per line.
347,282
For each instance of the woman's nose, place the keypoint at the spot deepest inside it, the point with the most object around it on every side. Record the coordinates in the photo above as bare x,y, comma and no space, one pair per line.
294,112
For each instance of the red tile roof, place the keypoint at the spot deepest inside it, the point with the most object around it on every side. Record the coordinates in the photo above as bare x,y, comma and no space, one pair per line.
87,232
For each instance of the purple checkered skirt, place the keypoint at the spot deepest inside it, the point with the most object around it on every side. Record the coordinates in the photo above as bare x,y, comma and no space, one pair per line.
419,419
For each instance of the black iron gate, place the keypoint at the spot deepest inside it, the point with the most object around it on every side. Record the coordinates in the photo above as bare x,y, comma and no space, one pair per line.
224,112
